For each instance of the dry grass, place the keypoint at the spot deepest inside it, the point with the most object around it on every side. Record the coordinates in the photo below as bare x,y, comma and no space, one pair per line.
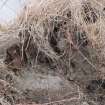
74,60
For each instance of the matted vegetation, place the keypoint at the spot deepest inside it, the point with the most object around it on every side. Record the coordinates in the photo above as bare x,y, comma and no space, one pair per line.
59,53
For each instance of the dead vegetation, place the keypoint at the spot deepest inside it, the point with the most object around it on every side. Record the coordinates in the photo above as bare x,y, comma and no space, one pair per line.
59,56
